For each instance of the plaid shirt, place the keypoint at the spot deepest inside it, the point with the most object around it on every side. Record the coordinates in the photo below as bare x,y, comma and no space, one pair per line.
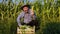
27,17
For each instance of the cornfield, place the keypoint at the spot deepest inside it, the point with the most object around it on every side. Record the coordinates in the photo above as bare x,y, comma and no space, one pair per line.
48,16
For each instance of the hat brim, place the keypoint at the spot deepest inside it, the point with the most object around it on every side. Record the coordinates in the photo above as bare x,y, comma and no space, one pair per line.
25,6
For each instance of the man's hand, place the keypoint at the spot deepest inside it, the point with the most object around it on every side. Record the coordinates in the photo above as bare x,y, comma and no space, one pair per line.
32,15
32,12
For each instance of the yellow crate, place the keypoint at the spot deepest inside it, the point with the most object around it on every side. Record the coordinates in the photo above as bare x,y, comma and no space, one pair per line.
26,31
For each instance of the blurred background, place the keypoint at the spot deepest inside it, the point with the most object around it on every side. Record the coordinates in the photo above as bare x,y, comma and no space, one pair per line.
47,11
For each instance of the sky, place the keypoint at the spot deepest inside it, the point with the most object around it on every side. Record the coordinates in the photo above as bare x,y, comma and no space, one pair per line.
24,1
0,1
18,0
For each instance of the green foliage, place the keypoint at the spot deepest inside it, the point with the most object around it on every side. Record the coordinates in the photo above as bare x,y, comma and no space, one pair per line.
52,28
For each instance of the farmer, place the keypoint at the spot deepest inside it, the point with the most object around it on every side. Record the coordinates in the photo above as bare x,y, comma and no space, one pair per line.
29,17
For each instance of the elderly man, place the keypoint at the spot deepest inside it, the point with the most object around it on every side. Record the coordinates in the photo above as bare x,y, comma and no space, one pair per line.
28,16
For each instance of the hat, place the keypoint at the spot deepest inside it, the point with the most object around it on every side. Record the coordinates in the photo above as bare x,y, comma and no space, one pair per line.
25,6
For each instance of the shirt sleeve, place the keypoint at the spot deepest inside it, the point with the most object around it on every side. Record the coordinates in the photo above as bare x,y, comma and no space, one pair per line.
19,17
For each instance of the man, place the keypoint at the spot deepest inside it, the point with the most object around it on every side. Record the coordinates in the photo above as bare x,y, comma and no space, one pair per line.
28,16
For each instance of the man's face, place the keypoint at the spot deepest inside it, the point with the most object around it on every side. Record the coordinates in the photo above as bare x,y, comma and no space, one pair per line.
25,9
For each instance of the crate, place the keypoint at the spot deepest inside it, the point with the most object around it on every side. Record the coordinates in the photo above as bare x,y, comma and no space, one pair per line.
26,31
